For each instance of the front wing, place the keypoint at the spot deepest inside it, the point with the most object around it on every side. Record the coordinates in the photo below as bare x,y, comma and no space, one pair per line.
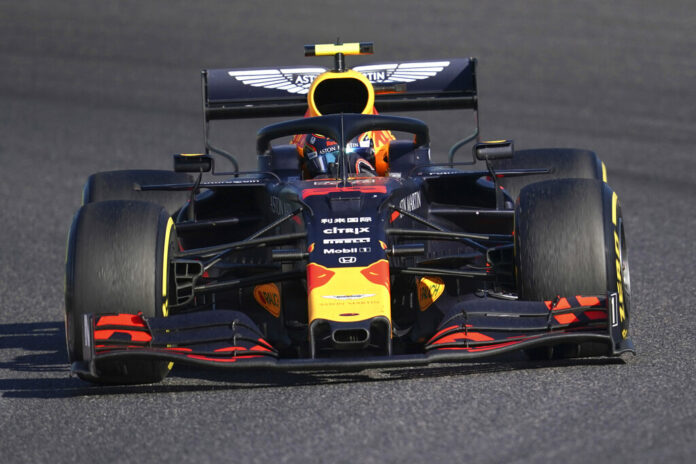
470,330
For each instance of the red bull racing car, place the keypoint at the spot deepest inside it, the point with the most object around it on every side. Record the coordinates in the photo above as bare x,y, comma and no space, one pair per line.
347,247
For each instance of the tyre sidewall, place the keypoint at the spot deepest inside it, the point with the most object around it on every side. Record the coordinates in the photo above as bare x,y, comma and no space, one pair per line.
618,281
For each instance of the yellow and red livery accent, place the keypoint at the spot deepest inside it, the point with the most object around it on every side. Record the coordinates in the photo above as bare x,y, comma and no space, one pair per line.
569,318
326,190
121,327
113,332
333,293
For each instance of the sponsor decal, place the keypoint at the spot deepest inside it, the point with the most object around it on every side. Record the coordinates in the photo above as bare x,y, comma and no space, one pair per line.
280,207
292,80
411,201
619,285
232,182
399,73
448,173
348,234
330,149
348,297
348,220
299,80
347,230
345,251
619,273
364,181
340,251
376,76
338,241
429,290
268,296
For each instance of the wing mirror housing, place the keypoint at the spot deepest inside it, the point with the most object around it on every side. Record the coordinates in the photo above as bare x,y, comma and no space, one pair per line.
494,150
192,162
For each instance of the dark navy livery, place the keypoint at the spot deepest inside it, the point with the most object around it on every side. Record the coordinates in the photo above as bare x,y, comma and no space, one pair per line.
378,258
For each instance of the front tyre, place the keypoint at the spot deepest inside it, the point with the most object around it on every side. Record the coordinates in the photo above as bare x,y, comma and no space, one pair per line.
117,262
570,240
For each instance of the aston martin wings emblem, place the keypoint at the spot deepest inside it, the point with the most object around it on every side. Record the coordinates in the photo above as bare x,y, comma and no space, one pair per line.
293,80
403,72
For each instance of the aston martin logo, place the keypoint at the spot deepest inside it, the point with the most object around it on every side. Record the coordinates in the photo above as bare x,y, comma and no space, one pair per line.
293,80
399,73
298,80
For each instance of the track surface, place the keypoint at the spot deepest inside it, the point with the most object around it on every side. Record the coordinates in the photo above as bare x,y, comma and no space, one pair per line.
87,86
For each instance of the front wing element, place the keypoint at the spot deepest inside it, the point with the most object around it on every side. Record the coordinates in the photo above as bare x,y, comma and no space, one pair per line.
471,329
484,324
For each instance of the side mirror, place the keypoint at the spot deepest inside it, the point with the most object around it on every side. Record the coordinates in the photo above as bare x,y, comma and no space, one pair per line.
192,162
495,150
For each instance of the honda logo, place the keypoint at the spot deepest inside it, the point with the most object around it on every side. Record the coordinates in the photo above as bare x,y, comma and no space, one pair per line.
347,259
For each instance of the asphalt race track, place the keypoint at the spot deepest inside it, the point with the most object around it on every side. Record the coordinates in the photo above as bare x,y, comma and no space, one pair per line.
94,86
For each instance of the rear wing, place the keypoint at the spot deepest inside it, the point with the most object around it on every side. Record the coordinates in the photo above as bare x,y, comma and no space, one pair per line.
277,92
407,86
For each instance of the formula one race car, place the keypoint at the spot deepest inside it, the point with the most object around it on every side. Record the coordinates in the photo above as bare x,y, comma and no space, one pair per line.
347,247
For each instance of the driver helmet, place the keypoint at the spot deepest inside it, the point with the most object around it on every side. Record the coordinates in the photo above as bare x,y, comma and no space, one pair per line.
321,155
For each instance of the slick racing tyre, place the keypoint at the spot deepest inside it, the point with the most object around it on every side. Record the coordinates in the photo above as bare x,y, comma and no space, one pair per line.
569,240
117,262
126,185
562,163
